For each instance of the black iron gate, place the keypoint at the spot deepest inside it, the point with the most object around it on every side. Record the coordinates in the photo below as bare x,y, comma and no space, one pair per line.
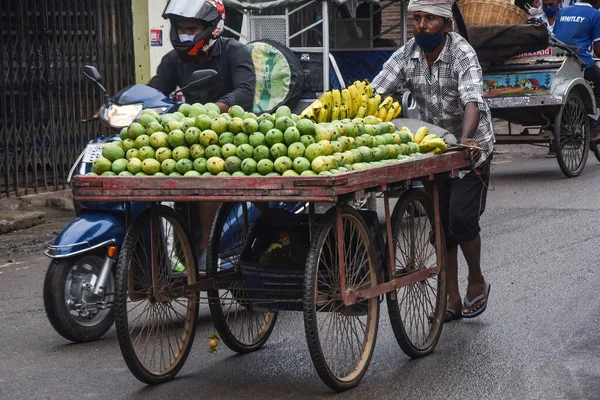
43,95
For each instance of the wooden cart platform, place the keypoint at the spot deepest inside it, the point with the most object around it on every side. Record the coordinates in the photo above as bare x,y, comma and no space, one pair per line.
290,189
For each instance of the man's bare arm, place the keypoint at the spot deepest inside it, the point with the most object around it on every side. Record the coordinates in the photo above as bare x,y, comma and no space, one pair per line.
470,124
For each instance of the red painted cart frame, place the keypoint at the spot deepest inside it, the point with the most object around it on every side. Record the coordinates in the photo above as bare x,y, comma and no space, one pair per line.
329,189
338,189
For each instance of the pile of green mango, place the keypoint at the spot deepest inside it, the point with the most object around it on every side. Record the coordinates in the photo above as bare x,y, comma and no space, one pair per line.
198,140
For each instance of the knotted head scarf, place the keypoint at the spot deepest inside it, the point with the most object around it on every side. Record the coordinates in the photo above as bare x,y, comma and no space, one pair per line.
441,8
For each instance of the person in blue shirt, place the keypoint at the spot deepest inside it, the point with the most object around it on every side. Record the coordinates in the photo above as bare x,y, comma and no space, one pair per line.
550,9
579,25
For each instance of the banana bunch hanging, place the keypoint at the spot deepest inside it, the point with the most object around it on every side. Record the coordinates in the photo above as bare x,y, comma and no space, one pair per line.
356,101
429,143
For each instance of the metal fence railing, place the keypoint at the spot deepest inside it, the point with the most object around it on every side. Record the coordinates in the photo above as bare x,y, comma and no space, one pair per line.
44,98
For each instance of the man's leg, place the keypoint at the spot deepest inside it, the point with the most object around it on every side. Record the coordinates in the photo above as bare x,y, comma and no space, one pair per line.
467,203
454,300
476,286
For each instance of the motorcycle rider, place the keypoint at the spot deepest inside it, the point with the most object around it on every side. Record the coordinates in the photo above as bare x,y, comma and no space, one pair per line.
196,27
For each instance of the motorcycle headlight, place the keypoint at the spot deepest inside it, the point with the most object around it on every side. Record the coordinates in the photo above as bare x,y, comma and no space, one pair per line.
118,116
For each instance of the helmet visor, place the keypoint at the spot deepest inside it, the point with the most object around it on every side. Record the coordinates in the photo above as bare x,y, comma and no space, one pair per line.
203,10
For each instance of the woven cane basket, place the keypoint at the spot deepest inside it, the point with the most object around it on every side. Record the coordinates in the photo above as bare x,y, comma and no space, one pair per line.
491,12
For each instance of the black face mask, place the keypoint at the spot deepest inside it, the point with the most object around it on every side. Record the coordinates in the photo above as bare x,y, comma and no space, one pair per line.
429,42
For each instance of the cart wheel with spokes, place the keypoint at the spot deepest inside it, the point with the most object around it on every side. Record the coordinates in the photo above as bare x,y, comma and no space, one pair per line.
572,136
155,318
341,338
417,310
241,327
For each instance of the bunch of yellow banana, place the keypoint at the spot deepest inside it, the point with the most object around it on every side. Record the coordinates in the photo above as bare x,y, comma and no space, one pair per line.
356,101
361,92
428,142
313,111
388,109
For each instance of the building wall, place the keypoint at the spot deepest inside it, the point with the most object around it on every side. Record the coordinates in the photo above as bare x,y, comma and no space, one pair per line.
392,15
156,21
151,37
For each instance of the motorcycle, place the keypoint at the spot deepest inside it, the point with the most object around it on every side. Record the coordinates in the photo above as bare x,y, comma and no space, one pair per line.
79,285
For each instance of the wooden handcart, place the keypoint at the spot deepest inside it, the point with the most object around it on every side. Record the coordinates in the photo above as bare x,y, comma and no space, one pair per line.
350,265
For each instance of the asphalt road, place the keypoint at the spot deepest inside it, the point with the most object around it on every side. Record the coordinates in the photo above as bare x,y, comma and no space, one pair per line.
539,338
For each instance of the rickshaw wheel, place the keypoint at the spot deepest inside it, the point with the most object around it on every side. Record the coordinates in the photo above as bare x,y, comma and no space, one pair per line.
417,310
241,327
572,136
341,339
156,322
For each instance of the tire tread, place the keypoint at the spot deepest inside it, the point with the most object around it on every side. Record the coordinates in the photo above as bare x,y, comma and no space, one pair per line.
57,312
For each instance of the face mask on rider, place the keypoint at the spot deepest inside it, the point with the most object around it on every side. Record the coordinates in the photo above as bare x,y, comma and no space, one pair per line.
186,38
550,11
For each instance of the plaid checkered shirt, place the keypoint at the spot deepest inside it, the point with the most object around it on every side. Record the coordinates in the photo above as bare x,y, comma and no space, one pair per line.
442,92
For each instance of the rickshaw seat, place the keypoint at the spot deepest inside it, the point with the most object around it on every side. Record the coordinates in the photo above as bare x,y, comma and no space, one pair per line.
499,42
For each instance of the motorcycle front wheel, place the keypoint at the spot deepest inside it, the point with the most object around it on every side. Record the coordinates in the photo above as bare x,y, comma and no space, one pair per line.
73,310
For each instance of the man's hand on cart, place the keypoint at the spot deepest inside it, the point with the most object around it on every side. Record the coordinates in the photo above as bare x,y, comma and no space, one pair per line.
474,148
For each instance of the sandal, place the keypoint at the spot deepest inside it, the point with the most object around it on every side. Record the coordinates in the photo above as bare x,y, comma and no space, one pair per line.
470,303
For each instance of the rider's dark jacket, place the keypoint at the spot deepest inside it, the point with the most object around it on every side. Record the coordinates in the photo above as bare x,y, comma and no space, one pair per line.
235,84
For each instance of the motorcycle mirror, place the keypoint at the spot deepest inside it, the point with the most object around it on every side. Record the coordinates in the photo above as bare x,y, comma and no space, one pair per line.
90,72
199,77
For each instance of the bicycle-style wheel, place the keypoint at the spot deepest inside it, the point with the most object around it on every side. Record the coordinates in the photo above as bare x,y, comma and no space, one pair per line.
572,135
341,338
417,310
241,326
154,316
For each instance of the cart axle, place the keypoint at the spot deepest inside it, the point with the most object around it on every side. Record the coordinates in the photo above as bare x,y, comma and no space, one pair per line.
390,286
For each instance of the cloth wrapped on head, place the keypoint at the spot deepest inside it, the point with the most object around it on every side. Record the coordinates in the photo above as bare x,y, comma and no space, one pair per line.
441,8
